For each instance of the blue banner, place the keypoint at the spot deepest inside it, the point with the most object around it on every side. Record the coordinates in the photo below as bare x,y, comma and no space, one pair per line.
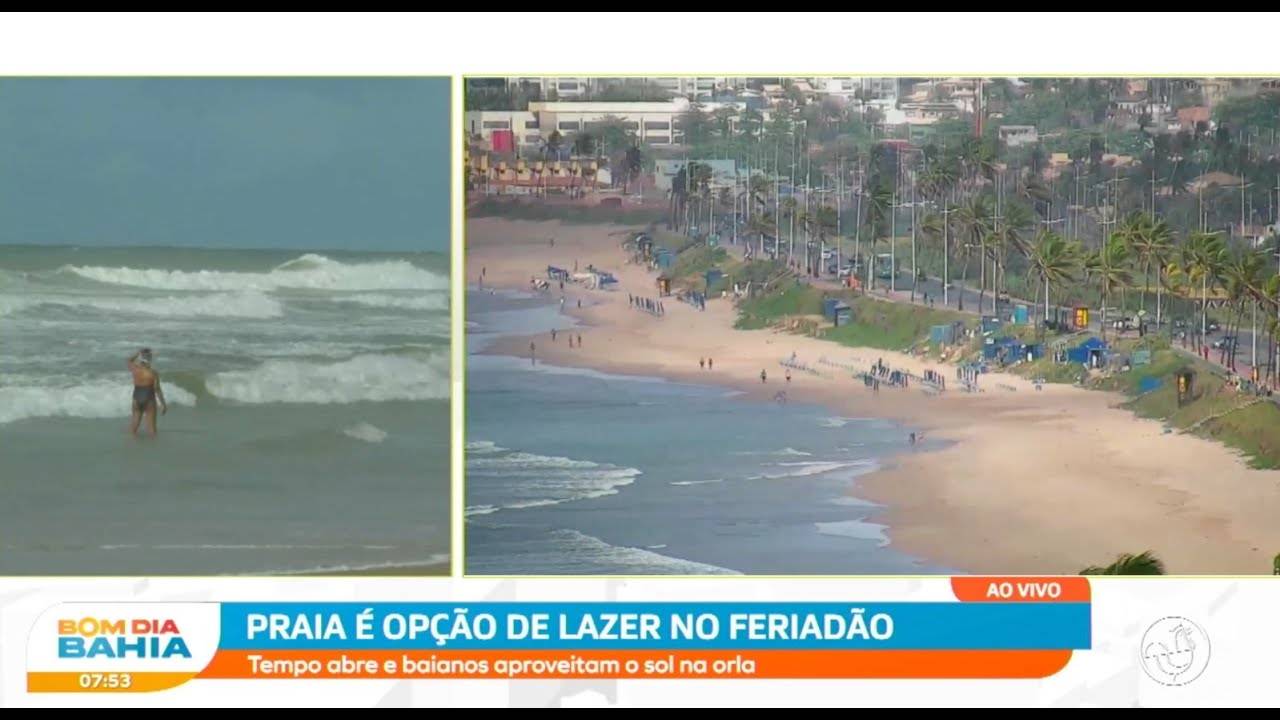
657,626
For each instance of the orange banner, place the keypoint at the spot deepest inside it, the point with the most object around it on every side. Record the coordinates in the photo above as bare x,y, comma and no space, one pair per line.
1021,589
104,682
654,664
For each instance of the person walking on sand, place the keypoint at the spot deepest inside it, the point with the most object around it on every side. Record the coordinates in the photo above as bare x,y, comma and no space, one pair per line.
147,393
579,342
702,363
532,354
764,376
553,334
709,361
788,374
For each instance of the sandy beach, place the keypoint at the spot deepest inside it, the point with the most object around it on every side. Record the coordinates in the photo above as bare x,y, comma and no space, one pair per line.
1032,481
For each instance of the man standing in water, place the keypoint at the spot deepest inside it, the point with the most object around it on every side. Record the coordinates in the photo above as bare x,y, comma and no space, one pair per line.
146,392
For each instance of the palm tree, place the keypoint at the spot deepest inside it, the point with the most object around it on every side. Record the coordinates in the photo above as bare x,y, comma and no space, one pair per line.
878,200
974,219
821,221
1245,276
632,164
760,225
1130,230
1018,219
1144,563
788,210
1152,243
1034,190
1201,264
1054,262
1110,265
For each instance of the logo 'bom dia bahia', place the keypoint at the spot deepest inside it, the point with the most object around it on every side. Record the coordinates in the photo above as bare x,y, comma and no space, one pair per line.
142,638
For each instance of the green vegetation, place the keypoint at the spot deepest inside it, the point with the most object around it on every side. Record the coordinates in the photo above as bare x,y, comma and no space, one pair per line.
1252,430
1048,370
1144,563
692,264
765,310
1216,410
890,326
537,211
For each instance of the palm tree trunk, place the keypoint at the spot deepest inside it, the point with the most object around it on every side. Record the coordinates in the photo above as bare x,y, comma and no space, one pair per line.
1159,283
982,279
1146,285
1106,295
1035,305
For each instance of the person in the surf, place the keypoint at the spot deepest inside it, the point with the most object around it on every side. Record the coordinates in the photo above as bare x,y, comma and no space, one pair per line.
147,395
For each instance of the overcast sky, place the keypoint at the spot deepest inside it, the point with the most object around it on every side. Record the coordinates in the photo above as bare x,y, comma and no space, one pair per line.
263,163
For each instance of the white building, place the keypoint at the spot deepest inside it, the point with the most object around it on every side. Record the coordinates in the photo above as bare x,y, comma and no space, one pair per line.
1018,135
654,123
583,88
927,113
880,88
563,87
523,124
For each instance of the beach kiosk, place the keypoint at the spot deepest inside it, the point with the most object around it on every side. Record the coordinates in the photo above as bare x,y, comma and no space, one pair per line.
1091,353
837,311
1080,318
664,258
1186,380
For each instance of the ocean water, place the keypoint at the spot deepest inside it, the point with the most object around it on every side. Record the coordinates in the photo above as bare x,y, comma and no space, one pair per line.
581,472
308,411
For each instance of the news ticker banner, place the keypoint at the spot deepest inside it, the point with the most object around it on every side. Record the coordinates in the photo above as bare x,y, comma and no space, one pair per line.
991,628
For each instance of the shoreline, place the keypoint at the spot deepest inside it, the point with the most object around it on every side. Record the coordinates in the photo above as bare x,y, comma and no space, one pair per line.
1029,482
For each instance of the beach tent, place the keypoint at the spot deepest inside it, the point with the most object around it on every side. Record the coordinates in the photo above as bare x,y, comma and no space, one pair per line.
664,258
1011,350
713,276
990,324
1091,352
556,273
1001,348
664,285
606,278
